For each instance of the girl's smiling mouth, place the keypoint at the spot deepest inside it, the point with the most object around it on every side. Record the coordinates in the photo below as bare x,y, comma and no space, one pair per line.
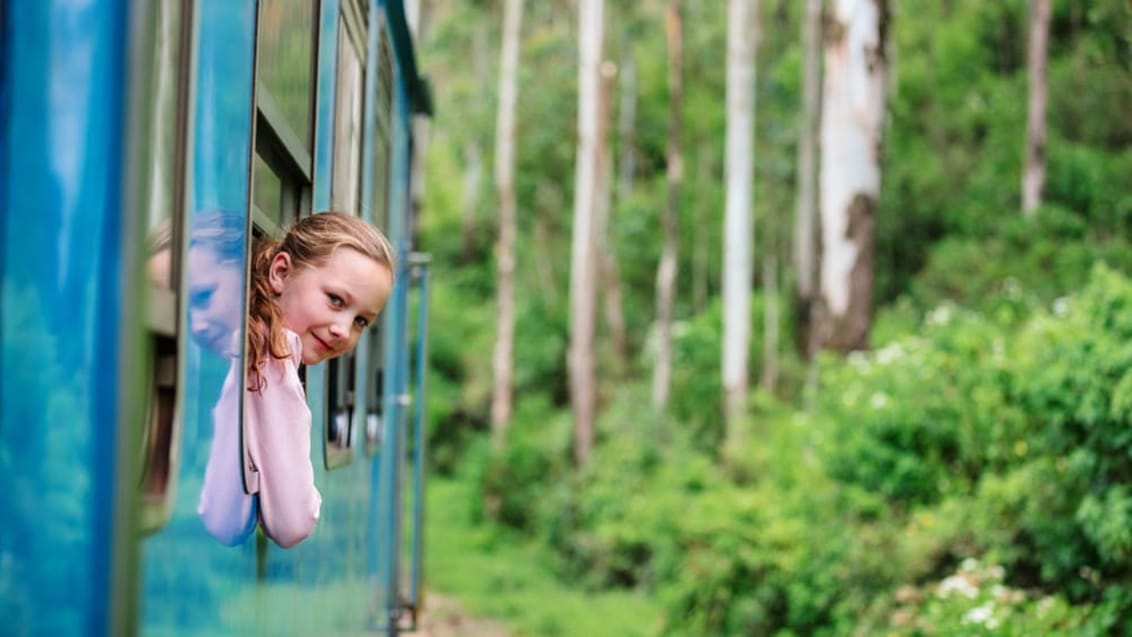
321,343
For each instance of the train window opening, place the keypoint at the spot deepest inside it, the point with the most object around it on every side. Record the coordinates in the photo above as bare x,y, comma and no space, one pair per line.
282,175
375,387
339,426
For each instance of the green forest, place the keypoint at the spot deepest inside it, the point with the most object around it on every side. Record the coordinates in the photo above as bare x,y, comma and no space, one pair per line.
964,469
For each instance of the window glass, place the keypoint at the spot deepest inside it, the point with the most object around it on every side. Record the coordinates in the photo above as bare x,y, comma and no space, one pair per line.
286,38
268,191
382,133
346,184
164,197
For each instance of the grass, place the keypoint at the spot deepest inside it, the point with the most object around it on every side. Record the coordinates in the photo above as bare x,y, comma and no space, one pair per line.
503,578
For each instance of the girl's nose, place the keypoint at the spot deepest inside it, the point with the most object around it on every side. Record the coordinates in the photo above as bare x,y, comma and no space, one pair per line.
339,330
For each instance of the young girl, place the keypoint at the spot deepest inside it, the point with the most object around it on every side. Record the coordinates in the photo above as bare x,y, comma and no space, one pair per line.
312,295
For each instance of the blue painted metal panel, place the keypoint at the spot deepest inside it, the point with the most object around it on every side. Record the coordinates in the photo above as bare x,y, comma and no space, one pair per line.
324,100
60,141
391,458
192,582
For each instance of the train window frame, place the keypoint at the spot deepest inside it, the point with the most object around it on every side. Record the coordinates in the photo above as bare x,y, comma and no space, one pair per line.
374,407
340,408
160,431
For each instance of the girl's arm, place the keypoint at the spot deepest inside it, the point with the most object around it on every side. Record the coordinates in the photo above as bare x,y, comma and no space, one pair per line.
227,511
278,429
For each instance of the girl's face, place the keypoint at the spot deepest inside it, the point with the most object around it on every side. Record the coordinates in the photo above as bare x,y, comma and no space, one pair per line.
329,305
216,286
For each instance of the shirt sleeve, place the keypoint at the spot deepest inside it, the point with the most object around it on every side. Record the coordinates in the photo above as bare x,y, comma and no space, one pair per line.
278,424
227,511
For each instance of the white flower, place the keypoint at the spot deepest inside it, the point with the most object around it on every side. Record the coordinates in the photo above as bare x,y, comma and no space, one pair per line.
939,316
878,400
981,615
1060,306
889,353
957,584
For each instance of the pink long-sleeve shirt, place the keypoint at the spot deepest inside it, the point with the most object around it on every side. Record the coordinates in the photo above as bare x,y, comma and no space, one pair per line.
277,454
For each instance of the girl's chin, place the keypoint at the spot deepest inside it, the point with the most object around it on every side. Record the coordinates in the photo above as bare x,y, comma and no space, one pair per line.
315,358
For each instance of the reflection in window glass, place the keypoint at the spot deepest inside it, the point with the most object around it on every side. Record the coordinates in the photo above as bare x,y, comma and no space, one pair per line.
286,33
167,107
347,125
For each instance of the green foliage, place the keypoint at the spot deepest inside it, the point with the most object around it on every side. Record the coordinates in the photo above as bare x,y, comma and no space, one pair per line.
1018,266
538,454
986,439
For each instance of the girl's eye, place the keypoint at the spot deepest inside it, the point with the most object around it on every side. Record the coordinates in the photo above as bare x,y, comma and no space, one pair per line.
361,322
200,298
335,300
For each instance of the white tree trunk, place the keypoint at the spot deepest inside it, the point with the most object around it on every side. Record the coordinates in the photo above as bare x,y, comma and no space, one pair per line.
805,218
666,269
505,186
852,118
582,258
1034,171
738,232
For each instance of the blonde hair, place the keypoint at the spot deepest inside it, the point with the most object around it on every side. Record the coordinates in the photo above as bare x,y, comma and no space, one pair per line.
309,242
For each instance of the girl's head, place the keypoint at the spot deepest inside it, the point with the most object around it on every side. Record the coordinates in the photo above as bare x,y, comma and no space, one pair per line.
326,280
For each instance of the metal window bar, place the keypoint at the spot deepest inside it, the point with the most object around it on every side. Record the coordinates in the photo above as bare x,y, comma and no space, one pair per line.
420,264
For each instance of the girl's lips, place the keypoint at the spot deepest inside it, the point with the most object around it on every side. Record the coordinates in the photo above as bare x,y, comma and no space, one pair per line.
321,343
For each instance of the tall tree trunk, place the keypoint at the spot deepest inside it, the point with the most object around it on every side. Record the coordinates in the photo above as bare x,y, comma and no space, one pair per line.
608,274
1034,171
666,269
805,217
856,66
505,187
738,223
582,258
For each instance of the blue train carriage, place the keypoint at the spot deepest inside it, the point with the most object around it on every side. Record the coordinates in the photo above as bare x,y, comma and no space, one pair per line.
143,145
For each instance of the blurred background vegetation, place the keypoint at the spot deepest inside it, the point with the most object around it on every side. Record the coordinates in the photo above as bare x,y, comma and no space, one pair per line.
970,474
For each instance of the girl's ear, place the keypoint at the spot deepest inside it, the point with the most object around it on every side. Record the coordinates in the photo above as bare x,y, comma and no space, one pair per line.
278,271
